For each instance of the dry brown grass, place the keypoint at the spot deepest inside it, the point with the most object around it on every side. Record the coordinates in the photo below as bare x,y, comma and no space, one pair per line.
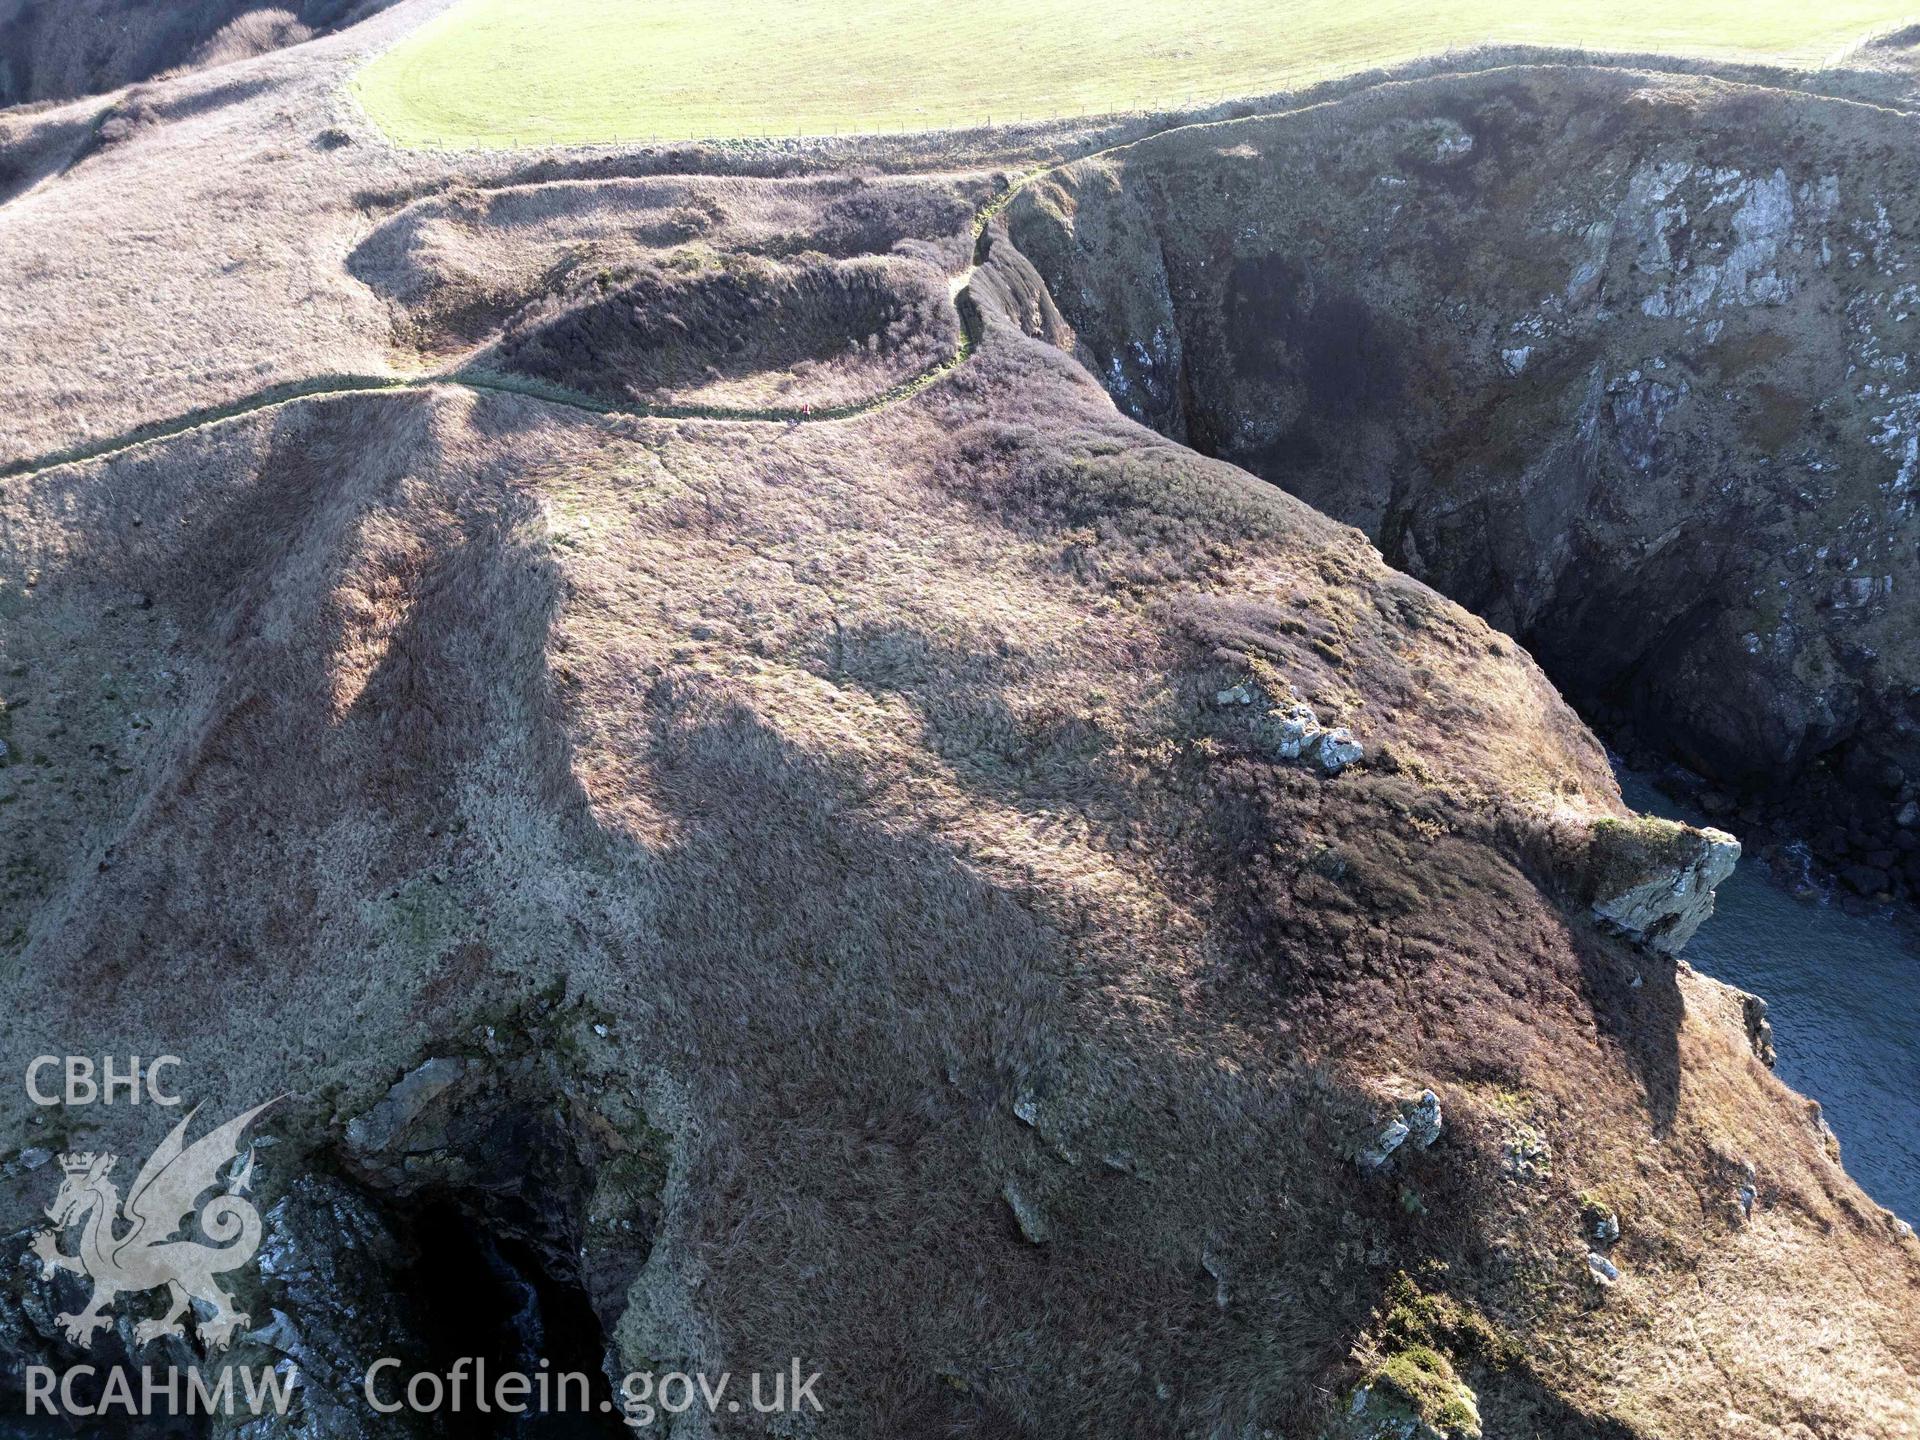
865,781
1440,311
60,49
734,332
457,267
867,777
257,32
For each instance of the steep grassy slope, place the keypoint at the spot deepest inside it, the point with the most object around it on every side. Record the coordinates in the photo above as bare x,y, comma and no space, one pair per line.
518,72
57,49
841,890
869,789
1620,363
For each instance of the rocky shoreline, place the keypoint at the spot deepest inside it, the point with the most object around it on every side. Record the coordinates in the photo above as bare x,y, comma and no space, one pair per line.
1618,362
966,893
1806,837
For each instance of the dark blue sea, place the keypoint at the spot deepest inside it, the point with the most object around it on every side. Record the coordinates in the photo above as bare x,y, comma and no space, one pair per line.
1843,993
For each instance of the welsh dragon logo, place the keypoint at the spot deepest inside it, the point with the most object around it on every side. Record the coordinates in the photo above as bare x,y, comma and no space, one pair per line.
149,1254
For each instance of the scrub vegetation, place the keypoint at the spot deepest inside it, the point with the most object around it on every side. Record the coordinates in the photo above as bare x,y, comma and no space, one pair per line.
831,882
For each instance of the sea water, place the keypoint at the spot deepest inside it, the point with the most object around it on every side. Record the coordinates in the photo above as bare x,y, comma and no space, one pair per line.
1843,993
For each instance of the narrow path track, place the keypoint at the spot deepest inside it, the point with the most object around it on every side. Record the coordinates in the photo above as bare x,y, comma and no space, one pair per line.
334,386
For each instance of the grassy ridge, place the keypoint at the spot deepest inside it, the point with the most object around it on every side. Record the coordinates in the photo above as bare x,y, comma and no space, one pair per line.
506,72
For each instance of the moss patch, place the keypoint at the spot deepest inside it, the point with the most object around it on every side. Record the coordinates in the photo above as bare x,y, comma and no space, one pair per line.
1625,853
1425,1380
1416,1318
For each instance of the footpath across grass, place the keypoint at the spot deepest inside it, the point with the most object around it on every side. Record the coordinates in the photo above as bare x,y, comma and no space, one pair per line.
501,73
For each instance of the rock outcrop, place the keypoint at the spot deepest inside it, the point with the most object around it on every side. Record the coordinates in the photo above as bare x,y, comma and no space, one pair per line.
789,889
1289,728
1416,1122
1623,362
1653,880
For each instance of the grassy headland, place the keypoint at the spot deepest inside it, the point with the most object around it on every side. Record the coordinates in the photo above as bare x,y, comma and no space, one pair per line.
501,73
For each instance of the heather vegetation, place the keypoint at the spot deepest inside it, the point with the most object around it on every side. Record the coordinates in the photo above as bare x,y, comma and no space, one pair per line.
739,333
714,762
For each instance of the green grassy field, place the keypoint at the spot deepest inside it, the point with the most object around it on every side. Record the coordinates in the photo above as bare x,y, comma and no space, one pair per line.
507,72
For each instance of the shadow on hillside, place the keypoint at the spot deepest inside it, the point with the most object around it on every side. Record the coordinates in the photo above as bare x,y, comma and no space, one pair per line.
392,727
38,149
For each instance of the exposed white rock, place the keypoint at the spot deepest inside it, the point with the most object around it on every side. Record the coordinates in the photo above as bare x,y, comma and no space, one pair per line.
1585,282
1294,729
1659,894
1639,407
1762,223
1385,1143
393,1123
1027,1213
1337,750
1417,1122
1423,1119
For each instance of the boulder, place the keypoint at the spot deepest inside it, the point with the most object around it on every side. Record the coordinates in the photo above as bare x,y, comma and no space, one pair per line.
1423,1119
407,1120
1027,1213
1390,1139
1416,1121
1337,750
1412,1394
1653,880
1292,731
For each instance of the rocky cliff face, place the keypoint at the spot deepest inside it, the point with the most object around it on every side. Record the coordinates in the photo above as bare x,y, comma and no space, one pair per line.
1624,363
1036,922
1654,880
